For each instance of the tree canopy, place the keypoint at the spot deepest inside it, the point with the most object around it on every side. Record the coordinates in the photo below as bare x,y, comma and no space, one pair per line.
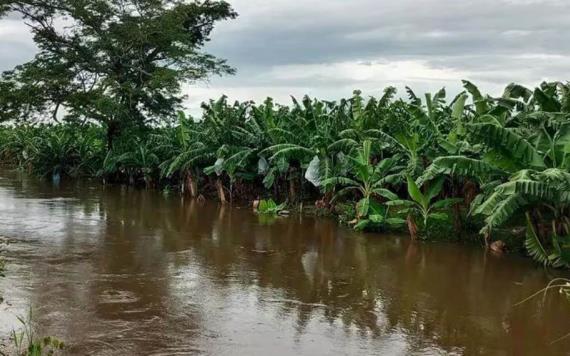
120,62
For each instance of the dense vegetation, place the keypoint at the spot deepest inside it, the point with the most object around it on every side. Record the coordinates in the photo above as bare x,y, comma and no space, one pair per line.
423,164
118,63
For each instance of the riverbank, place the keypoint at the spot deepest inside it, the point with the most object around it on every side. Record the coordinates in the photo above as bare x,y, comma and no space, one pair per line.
343,213
431,168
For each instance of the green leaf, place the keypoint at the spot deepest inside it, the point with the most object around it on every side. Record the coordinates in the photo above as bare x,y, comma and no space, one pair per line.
481,104
547,102
363,206
457,113
376,218
527,187
415,192
386,193
401,202
269,207
461,166
434,189
504,210
395,222
534,246
439,216
507,141
445,203
361,225
376,208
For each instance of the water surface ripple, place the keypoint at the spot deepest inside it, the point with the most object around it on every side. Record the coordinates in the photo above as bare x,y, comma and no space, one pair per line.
118,271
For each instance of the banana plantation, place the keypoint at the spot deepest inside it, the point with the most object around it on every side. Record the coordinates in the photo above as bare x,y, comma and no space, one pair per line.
471,166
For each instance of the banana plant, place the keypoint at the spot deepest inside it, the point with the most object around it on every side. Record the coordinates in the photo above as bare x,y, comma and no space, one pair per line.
527,175
422,205
556,256
183,153
270,207
312,142
369,181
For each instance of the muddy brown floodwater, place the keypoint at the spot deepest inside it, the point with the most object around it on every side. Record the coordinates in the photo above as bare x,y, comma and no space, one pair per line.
118,271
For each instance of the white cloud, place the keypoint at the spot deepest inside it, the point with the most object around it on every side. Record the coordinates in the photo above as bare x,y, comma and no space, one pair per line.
14,31
383,71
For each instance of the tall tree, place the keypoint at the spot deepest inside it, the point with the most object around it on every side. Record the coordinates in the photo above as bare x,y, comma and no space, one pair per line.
120,62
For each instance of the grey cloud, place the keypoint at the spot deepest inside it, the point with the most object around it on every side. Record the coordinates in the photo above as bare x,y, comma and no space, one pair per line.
492,42
367,28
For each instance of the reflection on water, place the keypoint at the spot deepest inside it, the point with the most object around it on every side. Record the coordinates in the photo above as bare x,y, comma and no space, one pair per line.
117,271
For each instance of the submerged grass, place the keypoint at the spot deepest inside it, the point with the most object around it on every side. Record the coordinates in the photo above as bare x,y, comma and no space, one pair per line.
563,287
27,343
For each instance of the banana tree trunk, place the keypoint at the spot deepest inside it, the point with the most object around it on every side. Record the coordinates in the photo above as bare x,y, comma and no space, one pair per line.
148,182
293,193
191,185
412,227
457,221
220,190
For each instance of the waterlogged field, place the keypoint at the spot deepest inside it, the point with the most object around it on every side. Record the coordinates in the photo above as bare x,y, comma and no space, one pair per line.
115,271
497,166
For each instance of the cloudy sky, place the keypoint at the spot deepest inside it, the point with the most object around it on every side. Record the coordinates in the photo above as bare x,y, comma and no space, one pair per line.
328,48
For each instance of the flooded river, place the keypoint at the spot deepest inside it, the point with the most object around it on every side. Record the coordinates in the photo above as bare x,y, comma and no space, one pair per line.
118,271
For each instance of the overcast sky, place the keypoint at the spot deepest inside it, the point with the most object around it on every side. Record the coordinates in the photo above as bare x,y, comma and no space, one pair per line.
328,48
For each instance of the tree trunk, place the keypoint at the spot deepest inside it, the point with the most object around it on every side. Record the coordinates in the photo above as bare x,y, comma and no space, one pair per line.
191,185
148,182
113,131
487,237
470,191
293,196
457,222
220,189
412,227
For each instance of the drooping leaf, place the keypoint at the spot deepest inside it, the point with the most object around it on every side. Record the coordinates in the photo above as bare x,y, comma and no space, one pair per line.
460,166
507,141
313,172
219,166
504,210
481,104
534,246
262,166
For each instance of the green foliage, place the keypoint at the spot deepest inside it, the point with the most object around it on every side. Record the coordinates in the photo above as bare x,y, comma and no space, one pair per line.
369,182
383,159
424,204
123,63
270,207
558,256
54,150
27,343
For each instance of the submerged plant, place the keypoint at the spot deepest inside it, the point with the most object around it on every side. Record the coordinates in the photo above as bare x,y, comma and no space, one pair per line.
269,207
562,285
506,156
27,343
369,181
422,205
